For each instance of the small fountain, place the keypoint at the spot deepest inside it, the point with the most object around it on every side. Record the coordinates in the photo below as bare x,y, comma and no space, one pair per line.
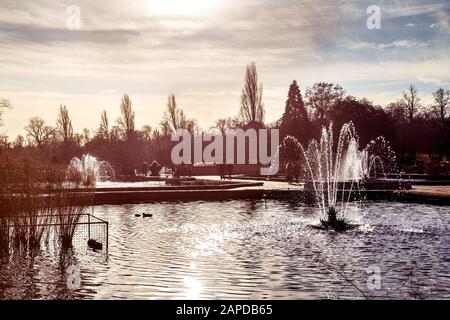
378,160
370,163
88,170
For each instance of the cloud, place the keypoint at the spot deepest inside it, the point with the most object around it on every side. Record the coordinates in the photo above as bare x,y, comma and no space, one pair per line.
109,91
399,44
128,48
404,44
428,80
45,35
443,24
415,8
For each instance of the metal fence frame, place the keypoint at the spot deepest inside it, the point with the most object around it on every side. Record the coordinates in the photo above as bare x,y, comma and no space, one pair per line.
97,221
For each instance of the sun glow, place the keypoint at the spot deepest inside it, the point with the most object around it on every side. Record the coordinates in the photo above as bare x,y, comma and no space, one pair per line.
183,7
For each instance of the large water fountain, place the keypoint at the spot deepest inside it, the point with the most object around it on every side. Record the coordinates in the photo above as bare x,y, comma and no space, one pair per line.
338,171
89,170
335,173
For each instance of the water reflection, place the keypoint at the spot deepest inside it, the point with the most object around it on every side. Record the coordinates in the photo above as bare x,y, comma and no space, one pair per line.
193,288
242,249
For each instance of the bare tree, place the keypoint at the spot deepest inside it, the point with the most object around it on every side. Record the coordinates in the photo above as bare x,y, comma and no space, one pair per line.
4,143
126,121
38,133
146,133
103,130
86,136
397,111
171,115
19,142
411,101
64,125
174,118
114,134
4,104
442,103
223,125
165,129
252,107
78,139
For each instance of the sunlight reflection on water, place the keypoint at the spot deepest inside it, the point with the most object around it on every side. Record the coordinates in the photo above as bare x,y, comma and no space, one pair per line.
243,249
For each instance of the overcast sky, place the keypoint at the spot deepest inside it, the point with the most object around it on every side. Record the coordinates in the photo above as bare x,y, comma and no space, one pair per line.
198,50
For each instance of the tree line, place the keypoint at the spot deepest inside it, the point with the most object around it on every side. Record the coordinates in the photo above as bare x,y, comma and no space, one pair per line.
410,126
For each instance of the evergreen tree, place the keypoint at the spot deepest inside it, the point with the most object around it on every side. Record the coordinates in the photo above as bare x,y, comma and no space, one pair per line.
295,120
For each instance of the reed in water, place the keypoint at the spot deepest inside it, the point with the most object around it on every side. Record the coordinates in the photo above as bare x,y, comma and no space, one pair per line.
37,201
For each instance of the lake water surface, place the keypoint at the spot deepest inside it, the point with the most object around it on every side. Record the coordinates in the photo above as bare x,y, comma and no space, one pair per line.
246,250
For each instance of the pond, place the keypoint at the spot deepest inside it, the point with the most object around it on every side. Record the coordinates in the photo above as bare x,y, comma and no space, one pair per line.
246,250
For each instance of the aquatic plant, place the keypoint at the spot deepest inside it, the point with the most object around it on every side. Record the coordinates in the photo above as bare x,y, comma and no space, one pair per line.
35,197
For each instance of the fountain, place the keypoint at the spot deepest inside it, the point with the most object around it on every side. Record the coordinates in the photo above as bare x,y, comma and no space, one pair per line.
335,174
88,170
377,161
338,172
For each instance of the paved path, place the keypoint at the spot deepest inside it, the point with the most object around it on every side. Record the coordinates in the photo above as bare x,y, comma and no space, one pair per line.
272,189
441,190
419,193
268,185
428,194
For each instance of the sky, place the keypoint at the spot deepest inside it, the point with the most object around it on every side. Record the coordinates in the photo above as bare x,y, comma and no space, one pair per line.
198,50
